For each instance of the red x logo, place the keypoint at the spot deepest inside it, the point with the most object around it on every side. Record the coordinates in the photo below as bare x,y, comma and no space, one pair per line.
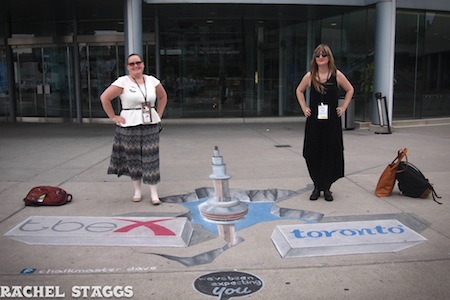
155,228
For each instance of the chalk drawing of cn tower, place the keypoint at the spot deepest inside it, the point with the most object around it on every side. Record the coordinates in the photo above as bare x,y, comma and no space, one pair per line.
222,209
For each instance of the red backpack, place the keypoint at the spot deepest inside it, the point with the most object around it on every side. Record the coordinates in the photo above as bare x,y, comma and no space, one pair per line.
47,195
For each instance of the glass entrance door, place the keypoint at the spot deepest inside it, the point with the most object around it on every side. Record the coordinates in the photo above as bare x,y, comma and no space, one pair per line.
100,65
43,78
202,67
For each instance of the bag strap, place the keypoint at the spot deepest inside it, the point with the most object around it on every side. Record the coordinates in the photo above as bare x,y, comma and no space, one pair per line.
433,194
400,155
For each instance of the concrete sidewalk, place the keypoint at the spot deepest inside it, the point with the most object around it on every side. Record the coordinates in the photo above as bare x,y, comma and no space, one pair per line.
258,156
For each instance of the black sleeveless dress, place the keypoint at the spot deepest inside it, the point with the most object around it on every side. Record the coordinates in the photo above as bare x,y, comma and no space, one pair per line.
323,147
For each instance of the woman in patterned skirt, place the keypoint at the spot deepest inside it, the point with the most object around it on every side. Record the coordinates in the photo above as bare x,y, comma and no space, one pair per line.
135,150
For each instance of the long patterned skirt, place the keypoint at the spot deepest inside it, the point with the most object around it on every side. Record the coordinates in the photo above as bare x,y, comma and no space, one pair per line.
135,153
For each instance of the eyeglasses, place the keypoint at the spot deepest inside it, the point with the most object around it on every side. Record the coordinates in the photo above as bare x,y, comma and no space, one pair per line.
320,54
137,63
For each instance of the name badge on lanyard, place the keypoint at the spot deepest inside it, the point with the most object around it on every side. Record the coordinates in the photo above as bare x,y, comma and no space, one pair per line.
322,112
146,114
145,108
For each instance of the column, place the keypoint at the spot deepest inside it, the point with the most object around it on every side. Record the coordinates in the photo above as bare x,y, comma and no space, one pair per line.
76,63
282,61
384,56
133,27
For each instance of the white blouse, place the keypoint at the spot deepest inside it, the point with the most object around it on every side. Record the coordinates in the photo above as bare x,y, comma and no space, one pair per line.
133,96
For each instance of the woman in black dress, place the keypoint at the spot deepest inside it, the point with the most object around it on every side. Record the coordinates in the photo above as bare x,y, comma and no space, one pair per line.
323,147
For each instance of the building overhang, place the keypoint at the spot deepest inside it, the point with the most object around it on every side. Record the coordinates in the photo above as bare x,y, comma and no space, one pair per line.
410,4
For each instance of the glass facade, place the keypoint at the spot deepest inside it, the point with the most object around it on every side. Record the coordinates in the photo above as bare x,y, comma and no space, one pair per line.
44,81
230,61
215,60
422,87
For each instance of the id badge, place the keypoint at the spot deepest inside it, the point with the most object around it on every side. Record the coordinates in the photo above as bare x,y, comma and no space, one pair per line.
322,112
146,117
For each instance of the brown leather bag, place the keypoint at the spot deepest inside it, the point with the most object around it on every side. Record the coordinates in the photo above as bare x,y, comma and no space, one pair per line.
387,179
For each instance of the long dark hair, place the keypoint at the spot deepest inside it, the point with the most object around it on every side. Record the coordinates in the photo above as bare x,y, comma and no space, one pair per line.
322,48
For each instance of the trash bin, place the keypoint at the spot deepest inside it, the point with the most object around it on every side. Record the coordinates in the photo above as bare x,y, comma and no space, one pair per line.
348,117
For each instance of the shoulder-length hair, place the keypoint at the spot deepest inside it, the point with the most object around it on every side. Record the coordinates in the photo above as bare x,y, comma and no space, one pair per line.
324,49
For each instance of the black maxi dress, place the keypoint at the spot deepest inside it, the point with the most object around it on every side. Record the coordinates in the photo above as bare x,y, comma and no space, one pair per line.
323,147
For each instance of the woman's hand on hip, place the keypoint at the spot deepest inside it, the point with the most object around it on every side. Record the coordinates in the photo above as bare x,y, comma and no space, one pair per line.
119,120
340,110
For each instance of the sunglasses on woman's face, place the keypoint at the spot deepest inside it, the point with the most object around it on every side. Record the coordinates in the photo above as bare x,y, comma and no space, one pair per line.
137,63
320,54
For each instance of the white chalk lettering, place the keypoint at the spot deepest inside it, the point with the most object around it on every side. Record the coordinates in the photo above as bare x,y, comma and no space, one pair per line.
102,291
30,292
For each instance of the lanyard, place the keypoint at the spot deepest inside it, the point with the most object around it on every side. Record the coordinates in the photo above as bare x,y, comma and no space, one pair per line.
145,87
322,87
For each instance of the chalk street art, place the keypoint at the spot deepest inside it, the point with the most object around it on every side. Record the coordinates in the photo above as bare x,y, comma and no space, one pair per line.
341,238
103,231
228,284
224,212
262,207
218,211
211,212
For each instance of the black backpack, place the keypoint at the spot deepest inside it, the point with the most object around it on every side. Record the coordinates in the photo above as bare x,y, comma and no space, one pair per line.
412,183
